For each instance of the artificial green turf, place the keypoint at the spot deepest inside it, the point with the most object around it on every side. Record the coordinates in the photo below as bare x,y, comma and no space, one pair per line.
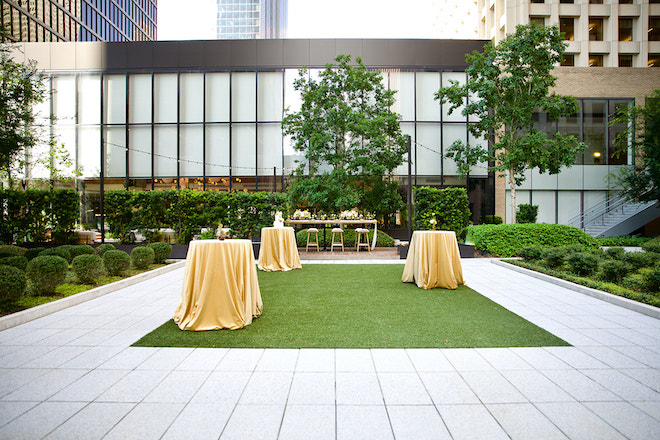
363,306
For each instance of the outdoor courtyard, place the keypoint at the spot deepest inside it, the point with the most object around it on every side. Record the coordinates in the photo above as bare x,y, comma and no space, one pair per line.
74,374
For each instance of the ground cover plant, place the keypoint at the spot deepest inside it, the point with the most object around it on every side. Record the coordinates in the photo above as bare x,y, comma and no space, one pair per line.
363,306
633,275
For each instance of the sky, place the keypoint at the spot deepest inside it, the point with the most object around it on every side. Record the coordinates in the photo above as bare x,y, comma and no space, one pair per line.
455,19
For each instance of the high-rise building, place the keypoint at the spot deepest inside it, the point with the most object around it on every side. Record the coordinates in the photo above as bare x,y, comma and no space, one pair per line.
599,33
79,20
248,19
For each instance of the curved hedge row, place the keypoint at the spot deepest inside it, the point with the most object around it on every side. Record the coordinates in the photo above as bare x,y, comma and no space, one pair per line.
507,240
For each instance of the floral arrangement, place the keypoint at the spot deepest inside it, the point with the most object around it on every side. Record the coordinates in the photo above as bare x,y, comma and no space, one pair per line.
353,214
433,222
349,215
301,215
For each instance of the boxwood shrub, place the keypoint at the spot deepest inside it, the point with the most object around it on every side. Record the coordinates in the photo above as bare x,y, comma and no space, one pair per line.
382,239
88,268
33,252
641,259
103,248
60,251
507,240
582,263
614,270
116,262
12,284
162,251
46,272
142,257
9,250
19,262
652,245
531,253
616,252
80,249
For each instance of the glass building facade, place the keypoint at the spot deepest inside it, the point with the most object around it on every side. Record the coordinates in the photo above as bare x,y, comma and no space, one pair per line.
247,19
207,115
79,20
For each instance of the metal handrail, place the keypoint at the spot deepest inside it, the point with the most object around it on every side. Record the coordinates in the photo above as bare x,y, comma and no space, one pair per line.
610,204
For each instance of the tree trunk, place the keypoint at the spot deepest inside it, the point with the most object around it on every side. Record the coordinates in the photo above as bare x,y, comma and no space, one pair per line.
512,183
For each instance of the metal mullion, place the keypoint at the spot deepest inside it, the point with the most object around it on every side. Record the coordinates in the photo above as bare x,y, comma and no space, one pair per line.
127,115
178,130
231,128
152,130
256,131
103,150
204,131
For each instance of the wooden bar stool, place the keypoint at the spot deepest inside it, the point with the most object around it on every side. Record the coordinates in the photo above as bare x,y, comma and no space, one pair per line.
312,233
359,234
337,232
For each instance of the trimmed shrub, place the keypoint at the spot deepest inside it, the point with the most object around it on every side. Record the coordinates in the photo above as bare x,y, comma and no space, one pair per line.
81,249
652,246
10,250
450,208
527,213
46,272
635,281
507,240
616,252
116,262
652,278
162,251
142,257
69,249
614,270
623,240
12,284
492,220
639,260
583,263
33,252
88,268
19,262
531,253
59,251
555,256
103,248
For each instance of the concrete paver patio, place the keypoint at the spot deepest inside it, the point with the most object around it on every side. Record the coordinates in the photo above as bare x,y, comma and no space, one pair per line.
73,374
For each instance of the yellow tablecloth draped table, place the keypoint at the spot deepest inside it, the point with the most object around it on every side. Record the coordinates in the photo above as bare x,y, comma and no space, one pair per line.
220,286
278,250
433,260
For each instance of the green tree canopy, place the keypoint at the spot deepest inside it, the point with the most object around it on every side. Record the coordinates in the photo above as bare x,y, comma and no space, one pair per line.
642,181
507,84
350,138
21,87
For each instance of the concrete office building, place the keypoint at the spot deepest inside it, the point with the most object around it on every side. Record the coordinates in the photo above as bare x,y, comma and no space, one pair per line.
611,45
79,20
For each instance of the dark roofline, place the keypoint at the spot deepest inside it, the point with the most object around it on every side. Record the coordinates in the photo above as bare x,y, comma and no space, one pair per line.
248,54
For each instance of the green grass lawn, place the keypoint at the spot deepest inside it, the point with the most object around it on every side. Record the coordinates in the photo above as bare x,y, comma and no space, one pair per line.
363,306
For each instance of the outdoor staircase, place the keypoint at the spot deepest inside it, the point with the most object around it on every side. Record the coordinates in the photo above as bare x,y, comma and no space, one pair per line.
616,216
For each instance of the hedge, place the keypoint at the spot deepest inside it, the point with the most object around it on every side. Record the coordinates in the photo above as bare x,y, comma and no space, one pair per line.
382,239
46,272
188,211
449,207
508,240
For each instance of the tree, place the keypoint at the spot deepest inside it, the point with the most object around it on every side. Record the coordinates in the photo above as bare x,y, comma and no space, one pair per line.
21,88
507,84
640,182
350,138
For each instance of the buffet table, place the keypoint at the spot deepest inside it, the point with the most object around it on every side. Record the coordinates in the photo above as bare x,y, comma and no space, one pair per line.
278,250
220,287
325,223
433,260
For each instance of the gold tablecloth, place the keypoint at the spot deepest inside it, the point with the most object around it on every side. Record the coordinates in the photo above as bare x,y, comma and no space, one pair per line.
433,260
220,286
278,250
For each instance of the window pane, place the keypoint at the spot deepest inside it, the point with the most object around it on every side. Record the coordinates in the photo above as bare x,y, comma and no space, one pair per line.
139,109
595,120
89,99
217,150
292,100
217,97
191,147
428,153
428,109
165,157
243,150
269,149
115,151
89,150
139,153
569,60
566,26
595,29
450,134
571,126
625,60
115,99
192,97
456,114
654,28
64,103
595,60
165,97
243,96
269,96
404,84
617,156
625,29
